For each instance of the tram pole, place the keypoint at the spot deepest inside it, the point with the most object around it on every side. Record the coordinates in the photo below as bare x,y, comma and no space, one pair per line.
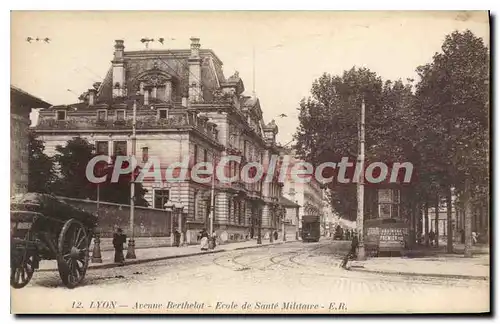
131,241
360,185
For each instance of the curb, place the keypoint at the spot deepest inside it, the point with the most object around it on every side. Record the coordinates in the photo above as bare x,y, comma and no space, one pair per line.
414,274
132,262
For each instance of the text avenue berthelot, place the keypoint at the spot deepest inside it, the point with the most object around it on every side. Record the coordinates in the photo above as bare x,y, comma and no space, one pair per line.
217,306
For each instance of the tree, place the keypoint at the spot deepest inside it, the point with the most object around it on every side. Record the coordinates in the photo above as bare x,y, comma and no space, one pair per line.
41,173
329,121
452,98
119,192
73,160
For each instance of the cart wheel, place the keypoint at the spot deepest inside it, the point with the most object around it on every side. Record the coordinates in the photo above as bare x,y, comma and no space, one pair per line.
73,251
22,269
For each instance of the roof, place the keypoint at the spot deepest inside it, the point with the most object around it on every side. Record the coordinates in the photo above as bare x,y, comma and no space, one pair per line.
20,95
288,203
21,102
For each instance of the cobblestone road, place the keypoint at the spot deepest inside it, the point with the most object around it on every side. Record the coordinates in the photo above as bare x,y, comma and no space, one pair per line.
271,279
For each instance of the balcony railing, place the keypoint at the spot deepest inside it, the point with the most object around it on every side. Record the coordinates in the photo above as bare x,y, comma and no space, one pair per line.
142,122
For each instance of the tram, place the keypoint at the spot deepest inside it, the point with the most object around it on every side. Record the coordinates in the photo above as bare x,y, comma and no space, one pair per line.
310,228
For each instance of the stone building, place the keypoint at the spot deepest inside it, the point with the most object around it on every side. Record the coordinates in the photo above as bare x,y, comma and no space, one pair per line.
308,195
21,104
185,108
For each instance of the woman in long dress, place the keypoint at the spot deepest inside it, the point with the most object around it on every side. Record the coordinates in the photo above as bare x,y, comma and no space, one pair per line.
204,240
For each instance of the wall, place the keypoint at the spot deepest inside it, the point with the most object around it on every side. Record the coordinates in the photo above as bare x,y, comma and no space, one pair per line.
19,154
148,221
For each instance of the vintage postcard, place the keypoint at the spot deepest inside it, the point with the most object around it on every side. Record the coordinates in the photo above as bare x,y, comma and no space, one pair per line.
250,162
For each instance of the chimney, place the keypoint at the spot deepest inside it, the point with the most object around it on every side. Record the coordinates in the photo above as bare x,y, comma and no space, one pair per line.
195,72
118,70
92,95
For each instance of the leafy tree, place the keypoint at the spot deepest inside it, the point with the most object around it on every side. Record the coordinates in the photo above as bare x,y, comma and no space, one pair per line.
41,172
119,191
329,121
73,159
452,98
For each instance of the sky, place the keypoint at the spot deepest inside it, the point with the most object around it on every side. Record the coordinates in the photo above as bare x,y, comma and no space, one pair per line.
291,48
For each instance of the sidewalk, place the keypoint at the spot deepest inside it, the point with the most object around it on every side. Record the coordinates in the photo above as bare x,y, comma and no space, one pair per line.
140,243
436,263
148,254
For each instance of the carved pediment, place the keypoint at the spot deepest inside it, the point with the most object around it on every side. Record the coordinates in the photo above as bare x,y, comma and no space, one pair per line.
152,78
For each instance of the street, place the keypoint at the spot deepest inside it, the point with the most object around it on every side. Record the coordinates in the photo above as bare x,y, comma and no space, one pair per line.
287,278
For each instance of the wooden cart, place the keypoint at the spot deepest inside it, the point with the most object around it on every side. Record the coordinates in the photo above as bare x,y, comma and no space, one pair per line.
46,228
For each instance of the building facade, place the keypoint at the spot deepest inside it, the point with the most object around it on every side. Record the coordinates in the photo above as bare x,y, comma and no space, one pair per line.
308,195
21,104
186,110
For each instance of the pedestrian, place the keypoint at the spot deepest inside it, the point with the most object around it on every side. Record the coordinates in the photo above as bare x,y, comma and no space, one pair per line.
474,238
118,240
432,237
177,238
214,238
204,240
352,252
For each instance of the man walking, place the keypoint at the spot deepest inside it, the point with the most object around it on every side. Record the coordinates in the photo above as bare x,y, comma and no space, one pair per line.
352,252
118,240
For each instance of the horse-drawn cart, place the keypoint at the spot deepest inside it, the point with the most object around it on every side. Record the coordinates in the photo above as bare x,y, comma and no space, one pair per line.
46,228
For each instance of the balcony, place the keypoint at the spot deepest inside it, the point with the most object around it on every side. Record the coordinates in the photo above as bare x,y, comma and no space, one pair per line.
144,122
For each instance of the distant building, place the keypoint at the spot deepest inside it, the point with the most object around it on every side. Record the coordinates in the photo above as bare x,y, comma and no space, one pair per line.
308,195
21,104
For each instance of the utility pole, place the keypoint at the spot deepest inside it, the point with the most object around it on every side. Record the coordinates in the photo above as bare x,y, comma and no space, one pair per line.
131,241
283,214
253,70
212,198
360,185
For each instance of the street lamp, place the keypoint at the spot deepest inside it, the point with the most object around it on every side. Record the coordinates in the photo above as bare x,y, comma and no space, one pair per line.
169,207
179,208
96,252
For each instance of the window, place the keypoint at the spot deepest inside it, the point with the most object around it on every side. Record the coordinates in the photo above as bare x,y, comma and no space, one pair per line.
161,198
145,154
195,157
205,155
101,147
120,115
120,148
162,113
101,115
388,203
61,115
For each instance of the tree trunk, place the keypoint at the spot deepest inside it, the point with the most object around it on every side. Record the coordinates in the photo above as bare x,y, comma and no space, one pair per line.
436,220
426,223
449,227
467,221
